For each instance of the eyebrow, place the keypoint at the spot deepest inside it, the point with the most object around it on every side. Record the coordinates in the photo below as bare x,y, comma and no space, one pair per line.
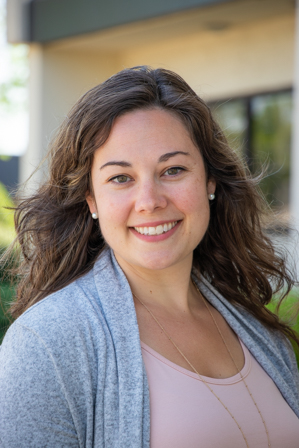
168,155
118,163
162,158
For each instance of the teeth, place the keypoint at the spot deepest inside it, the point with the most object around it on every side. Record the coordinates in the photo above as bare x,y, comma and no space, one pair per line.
151,230
156,230
159,230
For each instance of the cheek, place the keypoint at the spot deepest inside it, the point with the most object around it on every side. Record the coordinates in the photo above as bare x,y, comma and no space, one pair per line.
113,212
193,199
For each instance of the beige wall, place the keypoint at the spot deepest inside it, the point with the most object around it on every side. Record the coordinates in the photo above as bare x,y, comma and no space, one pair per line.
255,57
57,80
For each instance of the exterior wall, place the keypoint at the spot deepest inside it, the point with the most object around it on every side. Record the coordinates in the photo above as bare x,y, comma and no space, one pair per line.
257,56
57,80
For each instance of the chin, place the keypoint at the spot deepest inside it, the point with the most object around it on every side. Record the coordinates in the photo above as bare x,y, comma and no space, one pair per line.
159,261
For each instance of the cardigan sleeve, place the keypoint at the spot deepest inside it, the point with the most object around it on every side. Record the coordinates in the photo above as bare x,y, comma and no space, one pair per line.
34,411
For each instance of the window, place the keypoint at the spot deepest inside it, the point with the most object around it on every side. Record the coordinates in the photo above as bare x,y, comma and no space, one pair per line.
259,127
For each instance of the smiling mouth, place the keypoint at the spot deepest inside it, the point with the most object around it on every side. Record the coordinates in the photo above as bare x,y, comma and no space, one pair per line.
158,230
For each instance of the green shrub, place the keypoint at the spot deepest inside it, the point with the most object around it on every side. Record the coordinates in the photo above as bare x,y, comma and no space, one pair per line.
6,293
7,235
286,312
7,232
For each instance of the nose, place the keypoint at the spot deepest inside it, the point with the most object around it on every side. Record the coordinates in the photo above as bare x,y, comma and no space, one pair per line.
149,197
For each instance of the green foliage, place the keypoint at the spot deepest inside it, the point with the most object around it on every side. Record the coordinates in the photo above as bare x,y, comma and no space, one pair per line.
5,158
288,312
271,126
260,129
231,116
13,91
6,294
7,232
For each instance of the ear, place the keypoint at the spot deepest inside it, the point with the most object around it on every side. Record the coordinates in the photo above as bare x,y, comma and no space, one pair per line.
91,202
211,186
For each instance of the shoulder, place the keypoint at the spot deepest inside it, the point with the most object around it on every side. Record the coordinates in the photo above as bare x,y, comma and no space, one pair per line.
64,322
76,314
62,308
274,343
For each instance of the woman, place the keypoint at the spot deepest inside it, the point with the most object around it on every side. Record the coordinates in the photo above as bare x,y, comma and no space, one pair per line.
144,278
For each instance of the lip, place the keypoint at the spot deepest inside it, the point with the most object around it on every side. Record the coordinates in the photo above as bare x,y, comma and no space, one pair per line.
155,238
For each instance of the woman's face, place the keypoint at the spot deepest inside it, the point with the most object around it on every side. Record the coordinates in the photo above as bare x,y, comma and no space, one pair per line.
150,190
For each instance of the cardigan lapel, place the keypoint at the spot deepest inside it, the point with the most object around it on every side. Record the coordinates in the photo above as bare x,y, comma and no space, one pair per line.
119,312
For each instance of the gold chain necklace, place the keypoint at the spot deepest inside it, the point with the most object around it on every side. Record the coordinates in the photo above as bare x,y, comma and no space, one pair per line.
201,378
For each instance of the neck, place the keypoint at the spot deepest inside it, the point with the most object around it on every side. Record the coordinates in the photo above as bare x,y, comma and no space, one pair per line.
170,288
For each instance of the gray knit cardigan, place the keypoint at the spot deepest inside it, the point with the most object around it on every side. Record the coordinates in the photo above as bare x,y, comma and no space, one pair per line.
71,369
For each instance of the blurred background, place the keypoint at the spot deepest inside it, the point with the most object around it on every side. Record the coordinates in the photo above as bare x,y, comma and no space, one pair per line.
241,56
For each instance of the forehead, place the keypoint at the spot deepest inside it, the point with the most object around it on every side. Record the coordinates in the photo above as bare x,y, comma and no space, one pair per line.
147,132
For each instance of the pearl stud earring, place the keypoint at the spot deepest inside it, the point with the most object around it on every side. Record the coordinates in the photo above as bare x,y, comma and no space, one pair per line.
94,216
211,197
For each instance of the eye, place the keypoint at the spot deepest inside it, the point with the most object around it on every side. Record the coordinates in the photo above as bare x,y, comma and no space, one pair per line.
121,179
173,171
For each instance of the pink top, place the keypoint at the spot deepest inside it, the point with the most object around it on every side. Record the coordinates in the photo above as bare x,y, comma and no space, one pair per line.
184,413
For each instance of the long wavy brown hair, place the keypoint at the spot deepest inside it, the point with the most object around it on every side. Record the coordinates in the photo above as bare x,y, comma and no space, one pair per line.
59,241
